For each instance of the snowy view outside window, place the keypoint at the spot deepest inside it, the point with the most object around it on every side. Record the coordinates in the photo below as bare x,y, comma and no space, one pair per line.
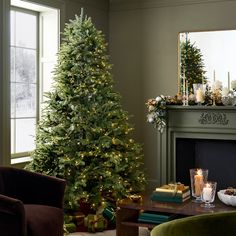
23,81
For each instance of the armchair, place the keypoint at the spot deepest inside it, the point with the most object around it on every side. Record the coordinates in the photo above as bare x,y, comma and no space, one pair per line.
210,224
31,204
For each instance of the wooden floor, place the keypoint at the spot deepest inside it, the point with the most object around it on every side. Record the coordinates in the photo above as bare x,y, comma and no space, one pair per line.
142,232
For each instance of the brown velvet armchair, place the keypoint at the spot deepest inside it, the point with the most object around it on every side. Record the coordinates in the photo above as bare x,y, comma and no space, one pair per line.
31,204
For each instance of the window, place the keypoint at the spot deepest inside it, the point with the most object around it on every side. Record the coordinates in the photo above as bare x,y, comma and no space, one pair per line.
34,43
24,80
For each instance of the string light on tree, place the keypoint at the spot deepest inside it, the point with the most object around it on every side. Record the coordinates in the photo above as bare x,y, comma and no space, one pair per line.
83,135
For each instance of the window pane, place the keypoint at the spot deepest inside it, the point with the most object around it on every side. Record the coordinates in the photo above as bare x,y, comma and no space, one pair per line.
25,65
13,20
13,100
25,100
25,133
25,30
12,64
12,136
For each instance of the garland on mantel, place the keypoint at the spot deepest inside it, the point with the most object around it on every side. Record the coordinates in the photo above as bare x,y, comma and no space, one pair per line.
157,113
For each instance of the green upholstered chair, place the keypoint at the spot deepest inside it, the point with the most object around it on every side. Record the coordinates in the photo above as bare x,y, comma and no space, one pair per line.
214,224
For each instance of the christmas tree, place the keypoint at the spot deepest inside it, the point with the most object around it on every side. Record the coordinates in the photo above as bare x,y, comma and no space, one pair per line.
83,135
191,64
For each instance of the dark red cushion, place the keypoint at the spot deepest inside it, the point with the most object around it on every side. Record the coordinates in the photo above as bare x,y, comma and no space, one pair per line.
43,220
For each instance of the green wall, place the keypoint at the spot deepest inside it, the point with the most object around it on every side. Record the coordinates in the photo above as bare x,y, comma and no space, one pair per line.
144,48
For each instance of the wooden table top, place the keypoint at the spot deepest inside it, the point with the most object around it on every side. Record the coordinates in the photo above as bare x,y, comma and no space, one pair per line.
187,208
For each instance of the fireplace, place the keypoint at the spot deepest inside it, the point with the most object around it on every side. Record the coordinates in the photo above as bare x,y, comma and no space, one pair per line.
218,156
197,136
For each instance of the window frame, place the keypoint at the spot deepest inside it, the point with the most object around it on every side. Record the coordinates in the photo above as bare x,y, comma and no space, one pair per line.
5,5
37,82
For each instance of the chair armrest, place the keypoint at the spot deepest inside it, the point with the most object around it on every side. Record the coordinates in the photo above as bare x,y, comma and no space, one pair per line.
218,223
35,188
12,217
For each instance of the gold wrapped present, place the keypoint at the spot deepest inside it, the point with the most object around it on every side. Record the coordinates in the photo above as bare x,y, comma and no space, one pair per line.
95,223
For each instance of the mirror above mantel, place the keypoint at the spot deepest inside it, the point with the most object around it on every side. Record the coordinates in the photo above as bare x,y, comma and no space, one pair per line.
216,51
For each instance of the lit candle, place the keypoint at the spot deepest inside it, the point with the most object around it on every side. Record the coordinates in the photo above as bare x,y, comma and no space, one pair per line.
198,183
228,80
199,95
207,192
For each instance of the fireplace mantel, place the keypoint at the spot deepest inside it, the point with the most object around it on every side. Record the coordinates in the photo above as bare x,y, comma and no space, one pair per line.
199,122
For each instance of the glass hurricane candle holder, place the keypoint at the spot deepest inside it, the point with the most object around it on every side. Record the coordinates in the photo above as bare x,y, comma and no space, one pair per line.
199,92
198,177
208,194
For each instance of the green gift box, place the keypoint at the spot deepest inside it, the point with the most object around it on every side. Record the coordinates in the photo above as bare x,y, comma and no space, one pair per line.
110,214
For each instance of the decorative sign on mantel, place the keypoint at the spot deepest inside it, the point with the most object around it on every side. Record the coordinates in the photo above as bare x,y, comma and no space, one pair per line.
217,118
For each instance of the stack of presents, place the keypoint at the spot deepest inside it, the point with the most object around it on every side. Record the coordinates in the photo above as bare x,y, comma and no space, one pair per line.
176,193
91,222
171,193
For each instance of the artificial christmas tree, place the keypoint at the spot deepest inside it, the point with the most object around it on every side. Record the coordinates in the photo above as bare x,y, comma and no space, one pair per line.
191,64
83,135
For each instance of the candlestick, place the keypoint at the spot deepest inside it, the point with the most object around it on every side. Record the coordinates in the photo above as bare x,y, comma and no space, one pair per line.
185,95
228,80
186,90
184,81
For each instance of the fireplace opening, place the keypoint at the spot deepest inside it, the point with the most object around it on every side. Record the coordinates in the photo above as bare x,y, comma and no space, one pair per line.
218,156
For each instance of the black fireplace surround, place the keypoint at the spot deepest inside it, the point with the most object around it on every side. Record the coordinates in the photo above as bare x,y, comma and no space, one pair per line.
218,156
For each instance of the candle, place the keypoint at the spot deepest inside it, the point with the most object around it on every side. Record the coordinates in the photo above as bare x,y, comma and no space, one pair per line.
207,193
199,95
214,75
228,80
198,183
